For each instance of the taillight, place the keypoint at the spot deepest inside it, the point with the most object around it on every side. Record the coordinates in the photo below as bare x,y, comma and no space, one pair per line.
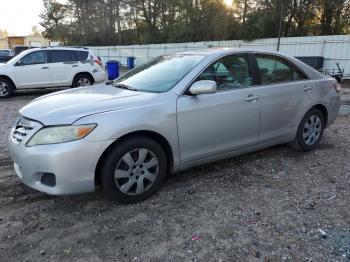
99,62
337,87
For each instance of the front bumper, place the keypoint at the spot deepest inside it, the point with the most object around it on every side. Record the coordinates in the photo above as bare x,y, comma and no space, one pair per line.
73,165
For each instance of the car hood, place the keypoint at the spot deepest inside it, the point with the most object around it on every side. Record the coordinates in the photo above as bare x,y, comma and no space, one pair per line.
67,106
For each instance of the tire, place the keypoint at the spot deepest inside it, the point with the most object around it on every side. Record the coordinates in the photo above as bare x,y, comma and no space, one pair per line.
310,131
82,80
6,88
129,174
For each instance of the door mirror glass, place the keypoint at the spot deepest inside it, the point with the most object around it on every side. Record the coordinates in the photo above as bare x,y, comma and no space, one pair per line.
203,87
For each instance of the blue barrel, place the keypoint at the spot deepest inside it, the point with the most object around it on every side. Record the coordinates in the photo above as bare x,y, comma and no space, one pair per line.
112,69
131,62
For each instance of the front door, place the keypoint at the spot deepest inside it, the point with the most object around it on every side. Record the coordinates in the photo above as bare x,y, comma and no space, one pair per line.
213,124
33,70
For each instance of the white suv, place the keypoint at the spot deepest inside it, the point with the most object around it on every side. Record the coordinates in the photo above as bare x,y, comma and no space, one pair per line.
50,67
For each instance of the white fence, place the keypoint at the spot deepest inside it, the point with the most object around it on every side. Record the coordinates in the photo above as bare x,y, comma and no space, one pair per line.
335,49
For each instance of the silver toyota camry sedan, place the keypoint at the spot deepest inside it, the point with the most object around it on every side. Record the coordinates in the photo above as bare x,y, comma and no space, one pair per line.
174,112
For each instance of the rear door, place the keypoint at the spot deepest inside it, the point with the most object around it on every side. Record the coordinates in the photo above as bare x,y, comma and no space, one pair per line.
33,70
63,66
285,92
213,124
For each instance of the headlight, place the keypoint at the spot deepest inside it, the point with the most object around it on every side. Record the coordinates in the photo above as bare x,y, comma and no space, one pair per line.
60,134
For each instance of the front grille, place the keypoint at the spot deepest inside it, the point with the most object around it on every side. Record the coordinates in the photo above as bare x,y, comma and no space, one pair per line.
20,131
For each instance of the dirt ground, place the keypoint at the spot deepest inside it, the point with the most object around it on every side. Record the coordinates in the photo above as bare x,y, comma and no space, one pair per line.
272,205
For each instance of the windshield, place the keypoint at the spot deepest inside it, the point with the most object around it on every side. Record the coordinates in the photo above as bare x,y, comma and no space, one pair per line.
159,75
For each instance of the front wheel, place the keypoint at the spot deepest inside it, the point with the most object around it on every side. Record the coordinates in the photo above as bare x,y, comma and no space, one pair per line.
6,88
133,169
310,131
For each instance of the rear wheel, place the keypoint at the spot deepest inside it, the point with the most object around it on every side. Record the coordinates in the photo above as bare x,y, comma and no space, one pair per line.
133,170
82,80
310,131
6,88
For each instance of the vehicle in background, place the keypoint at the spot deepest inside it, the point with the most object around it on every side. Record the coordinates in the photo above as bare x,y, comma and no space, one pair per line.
5,55
50,67
172,113
20,48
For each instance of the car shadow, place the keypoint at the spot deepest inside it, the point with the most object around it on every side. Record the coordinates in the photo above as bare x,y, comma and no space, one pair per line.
37,92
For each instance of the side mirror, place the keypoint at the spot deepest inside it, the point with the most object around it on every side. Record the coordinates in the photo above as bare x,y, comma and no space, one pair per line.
19,63
203,87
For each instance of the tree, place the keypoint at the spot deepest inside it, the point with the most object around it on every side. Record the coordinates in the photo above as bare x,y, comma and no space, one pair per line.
3,34
35,31
54,21
113,22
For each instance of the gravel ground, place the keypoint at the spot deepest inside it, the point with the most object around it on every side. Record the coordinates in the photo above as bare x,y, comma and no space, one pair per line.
272,205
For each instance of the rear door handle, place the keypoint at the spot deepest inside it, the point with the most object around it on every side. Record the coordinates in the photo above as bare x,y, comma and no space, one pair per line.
45,67
307,89
251,98
74,65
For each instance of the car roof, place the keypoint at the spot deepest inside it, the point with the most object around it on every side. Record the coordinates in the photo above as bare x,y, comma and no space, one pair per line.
60,48
225,50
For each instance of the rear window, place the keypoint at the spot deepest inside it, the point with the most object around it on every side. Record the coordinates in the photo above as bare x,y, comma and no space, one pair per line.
4,53
61,56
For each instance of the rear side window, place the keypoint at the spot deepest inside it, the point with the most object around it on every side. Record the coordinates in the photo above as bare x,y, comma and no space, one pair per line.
59,56
80,55
274,69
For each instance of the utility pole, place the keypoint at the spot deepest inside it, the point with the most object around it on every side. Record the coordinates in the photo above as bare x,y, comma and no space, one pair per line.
280,27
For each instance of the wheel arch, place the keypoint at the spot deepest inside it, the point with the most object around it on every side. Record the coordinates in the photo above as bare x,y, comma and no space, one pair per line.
83,73
324,111
163,142
9,78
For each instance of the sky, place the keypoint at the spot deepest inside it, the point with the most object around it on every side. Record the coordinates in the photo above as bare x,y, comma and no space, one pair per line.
19,16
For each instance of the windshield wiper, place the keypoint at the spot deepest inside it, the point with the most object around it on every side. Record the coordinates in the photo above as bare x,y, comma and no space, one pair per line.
124,86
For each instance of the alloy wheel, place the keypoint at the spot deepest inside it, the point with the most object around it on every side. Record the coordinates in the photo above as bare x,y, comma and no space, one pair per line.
312,130
3,89
136,171
83,82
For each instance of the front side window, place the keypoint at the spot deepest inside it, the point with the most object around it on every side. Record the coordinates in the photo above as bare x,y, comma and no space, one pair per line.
160,74
229,72
274,69
39,57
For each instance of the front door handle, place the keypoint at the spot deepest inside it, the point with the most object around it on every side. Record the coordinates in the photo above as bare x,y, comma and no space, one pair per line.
45,67
252,98
74,65
307,89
